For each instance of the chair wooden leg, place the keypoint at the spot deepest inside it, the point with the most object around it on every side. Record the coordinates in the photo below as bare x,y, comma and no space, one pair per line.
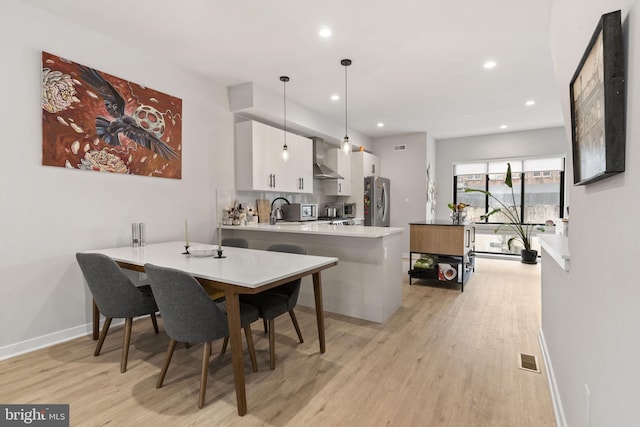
167,360
295,325
252,350
155,322
224,345
205,372
264,322
125,345
96,321
272,345
103,335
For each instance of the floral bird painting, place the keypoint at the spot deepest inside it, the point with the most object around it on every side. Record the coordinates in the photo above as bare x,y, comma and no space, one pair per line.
95,121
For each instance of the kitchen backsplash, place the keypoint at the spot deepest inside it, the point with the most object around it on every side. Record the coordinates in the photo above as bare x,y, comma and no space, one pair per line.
227,198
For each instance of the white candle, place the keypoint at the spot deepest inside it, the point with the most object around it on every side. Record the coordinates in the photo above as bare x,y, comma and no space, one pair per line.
186,234
220,235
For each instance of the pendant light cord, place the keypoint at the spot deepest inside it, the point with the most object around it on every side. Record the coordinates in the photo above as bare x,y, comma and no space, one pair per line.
346,62
345,101
284,80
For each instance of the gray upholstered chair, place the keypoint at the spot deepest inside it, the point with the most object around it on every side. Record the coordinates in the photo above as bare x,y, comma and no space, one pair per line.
190,316
235,242
277,301
116,297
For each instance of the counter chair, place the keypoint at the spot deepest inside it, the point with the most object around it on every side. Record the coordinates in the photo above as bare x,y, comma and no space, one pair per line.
116,297
235,242
277,301
190,316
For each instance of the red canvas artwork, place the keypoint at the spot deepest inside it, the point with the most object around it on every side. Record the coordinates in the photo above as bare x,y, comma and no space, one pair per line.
94,121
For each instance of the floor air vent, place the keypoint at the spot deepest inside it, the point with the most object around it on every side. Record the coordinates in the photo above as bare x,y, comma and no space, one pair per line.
529,362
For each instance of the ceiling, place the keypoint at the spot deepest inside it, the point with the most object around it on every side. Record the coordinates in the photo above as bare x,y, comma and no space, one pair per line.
417,64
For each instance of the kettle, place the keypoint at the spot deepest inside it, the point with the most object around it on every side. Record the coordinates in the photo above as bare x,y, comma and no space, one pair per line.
278,211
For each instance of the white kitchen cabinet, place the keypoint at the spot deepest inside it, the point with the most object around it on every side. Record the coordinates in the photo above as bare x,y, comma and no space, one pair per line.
340,162
259,162
370,164
300,164
362,164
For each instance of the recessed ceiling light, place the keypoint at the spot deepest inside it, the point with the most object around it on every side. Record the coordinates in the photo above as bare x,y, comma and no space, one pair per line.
530,102
503,126
335,97
489,64
325,32
380,124
467,115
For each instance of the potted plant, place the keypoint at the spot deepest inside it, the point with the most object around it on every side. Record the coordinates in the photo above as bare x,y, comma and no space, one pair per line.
522,231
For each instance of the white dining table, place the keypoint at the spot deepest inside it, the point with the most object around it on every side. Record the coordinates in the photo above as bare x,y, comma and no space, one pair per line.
241,271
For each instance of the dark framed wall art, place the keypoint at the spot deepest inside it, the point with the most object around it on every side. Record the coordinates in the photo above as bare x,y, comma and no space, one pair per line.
598,105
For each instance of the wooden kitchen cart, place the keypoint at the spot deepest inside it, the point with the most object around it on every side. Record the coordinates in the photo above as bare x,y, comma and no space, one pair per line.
453,244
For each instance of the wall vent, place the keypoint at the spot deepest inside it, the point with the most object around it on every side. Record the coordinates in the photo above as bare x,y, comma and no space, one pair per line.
402,147
528,362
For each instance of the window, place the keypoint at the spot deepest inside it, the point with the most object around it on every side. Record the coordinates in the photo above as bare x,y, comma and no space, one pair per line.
476,201
538,187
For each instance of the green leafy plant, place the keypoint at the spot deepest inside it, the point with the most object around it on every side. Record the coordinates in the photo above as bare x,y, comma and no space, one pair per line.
522,231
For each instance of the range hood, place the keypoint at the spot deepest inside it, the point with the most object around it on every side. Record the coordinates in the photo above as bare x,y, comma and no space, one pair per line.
320,170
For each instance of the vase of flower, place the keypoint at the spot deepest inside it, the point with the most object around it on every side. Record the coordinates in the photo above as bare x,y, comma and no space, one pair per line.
458,214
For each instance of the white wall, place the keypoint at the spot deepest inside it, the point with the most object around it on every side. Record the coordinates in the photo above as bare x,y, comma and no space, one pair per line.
408,174
540,142
49,213
432,175
591,316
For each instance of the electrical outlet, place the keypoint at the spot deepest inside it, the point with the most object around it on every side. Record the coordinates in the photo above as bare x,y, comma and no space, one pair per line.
587,400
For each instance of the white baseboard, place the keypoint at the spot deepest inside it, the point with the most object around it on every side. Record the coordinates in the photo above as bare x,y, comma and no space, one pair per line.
553,386
44,341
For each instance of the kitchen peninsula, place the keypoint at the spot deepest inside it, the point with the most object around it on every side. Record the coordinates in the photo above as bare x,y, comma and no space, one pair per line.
366,283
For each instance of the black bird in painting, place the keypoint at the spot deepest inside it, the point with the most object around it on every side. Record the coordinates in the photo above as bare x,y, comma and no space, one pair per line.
109,130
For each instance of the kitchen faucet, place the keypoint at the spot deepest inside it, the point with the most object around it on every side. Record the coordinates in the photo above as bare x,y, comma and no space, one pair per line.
277,213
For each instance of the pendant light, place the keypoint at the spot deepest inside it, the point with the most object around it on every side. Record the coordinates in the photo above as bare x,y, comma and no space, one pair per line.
285,149
346,144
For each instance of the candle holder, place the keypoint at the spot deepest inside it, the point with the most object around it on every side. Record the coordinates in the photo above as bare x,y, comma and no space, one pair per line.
219,254
186,250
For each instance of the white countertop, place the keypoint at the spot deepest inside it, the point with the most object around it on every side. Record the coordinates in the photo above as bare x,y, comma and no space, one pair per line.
320,229
557,246
244,267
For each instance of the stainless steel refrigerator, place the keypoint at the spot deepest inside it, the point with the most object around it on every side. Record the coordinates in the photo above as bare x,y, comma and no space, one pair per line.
377,198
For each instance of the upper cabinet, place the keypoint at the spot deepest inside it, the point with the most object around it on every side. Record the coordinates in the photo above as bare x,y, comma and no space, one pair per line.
300,164
259,162
362,164
370,164
340,162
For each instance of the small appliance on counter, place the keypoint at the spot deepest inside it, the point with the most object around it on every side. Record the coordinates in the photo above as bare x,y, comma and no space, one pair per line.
300,212
276,214
333,210
349,210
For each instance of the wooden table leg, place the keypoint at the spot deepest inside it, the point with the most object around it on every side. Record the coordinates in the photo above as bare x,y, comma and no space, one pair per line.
317,292
96,321
235,339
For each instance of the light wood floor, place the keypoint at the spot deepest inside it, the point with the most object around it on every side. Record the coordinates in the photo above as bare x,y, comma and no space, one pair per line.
444,359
